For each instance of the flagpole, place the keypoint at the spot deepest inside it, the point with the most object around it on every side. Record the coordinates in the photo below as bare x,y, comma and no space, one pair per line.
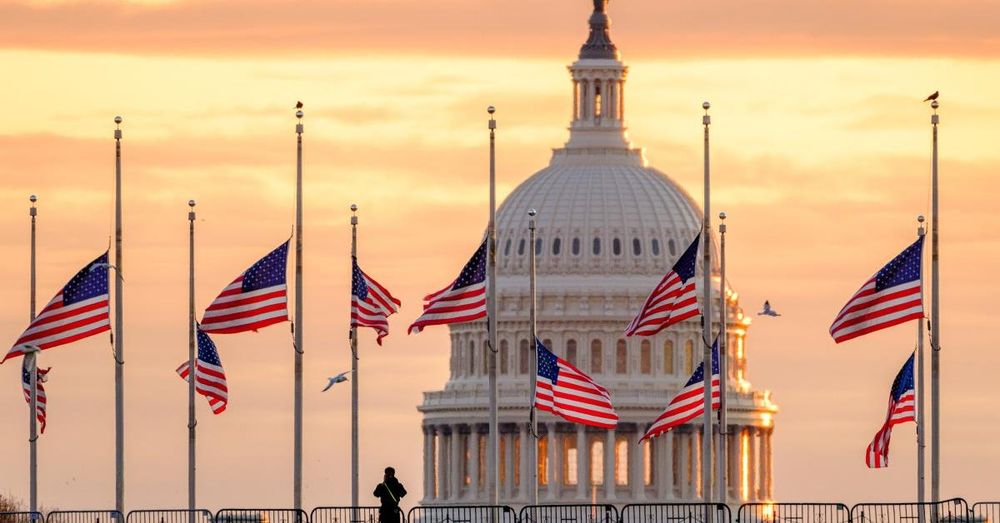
706,321
935,320
921,443
532,318
192,363
119,331
354,371
297,481
720,456
491,306
32,365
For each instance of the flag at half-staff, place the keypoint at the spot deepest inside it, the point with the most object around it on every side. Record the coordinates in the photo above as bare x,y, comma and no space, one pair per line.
40,397
902,404
674,299
255,299
892,296
569,393
689,403
462,300
210,378
79,310
371,303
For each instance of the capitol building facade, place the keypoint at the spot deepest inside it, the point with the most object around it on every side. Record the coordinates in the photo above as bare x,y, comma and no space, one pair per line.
608,228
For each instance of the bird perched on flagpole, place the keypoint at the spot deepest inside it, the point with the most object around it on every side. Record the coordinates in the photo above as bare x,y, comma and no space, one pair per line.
932,97
768,311
298,105
333,380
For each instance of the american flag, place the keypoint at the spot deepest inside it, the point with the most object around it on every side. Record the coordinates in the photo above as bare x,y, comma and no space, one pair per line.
902,404
371,303
567,392
673,300
210,378
689,403
255,299
26,386
893,296
462,300
78,311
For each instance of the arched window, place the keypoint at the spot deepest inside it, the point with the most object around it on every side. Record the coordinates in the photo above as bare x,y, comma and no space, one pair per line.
575,247
672,247
569,459
621,358
616,247
543,459
621,461
472,358
597,246
522,353
649,462
556,246
656,247
596,357
571,352
668,357
597,101
520,247
597,462
506,247
688,357
645,357
504,357
636,246
538,246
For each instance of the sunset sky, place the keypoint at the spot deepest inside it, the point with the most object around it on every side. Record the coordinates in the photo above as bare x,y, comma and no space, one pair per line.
821,158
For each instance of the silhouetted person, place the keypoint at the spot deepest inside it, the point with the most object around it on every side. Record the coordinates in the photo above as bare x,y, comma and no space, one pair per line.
390,491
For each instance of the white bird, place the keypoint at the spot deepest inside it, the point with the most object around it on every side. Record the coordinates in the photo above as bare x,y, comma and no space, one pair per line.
768,311
333,380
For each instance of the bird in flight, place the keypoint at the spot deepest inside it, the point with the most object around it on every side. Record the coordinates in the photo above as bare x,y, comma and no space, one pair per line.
768,311
932,97
333,380
298,105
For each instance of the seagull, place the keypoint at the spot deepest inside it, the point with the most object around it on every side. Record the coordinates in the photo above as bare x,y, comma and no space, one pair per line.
768,311
298,105
932,97
333,380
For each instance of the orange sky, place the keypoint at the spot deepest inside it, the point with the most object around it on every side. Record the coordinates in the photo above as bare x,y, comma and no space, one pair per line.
820,157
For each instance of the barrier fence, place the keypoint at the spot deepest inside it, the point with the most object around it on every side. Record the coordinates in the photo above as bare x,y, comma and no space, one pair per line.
948,511
985,513
21,517
675,513
169,516
260,515
569,514
85,516
462,514
349,515
794,513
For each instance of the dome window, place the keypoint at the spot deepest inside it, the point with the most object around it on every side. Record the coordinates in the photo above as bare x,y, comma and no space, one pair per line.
575,247
556,246
672,248
538,246
597,246
520,247
636,246
506,248
656,247
616,247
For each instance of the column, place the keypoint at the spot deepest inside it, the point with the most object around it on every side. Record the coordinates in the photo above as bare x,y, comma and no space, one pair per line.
455,463
612,100
696,471
582,464
762,471
592,103
428,462
770,465
609,466
554,470
507,440
621,100
752,462
473,464
576,100
637,466
664,466
527,450
734,461
681,439
442,464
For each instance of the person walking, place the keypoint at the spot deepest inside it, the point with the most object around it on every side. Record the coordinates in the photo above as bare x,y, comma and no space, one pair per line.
390,491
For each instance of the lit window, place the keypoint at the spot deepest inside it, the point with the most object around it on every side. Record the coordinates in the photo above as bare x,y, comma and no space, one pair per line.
597,462
517,460
645,357
621,461
576,247
616,247
621,358
556,246
596,357
649,469
569,460
636,246
543,460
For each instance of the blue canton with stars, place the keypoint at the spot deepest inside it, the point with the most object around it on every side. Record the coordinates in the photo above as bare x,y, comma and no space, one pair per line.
358,286
474,271
207,351
904,268
904,380
268,271
699,373
90,282
548,364
685,265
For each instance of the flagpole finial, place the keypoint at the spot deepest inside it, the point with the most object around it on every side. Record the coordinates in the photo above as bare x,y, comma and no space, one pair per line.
118,120
32,199
706,106
935,105
532,212
192,203
354,207
920,218
722,215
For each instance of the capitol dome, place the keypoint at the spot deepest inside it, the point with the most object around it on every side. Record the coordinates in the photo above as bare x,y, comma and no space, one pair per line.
608,228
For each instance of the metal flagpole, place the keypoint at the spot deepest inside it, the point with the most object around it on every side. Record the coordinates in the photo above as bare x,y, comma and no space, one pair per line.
935,321
192,363
119,331
921,443
706,321
32,365
354,371
720,453
297,487
491,306
532,317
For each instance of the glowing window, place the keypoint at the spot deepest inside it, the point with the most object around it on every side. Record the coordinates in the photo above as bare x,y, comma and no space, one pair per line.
621,461
569,460
597,462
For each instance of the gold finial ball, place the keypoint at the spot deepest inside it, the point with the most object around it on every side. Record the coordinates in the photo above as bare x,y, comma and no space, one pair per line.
33,198
491,109
191,203
935,104
532,212
299,114
118,119
706,106
722,215
920,218
354,207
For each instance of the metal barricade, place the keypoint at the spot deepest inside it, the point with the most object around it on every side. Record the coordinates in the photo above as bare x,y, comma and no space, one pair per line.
794,513
676,513
85,516
948,511
349,515
985,512
569,514
462,514
169,516
21,517
260,515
